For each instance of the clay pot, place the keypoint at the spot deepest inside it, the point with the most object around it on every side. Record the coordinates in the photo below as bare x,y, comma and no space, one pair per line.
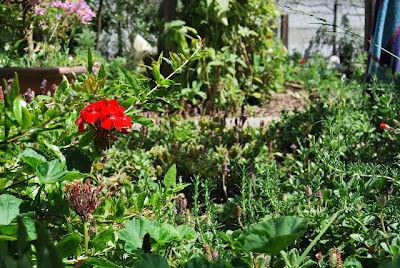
33,77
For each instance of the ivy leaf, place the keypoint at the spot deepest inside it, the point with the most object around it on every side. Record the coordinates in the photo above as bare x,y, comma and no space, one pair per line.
170,177
9,208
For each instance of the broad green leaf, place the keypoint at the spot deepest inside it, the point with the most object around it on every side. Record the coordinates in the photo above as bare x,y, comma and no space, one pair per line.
170,177
101,263
99,242
160,232
273,236
181,232
30,228
151,260
133,233
9,208
31,157
69,244
50,172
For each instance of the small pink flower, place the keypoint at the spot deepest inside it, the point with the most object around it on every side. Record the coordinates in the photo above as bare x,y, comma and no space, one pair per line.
52,46
58,16
70,58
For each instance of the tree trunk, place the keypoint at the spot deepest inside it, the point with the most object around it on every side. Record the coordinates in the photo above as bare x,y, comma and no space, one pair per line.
167,13
99,23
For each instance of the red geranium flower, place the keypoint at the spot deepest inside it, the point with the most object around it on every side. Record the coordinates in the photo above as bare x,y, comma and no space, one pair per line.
104,114
303,61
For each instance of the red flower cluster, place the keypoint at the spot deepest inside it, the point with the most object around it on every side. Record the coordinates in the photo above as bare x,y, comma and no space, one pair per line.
83,198
104,114
303,61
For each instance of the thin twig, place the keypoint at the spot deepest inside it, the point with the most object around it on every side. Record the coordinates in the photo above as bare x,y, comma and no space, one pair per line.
178,69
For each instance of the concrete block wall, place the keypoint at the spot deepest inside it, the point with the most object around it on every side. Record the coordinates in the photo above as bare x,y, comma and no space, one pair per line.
303,28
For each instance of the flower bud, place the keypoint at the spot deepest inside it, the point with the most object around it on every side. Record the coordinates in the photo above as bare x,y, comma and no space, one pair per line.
215,254
309,191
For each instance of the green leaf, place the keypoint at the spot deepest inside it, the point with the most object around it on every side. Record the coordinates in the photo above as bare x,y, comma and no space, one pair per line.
62,87
120,212
22,115
56,151
144,121
352,262
50,172
7,238
77,160
89,60
74,175
133,233
128,102
69,244
99,242
273,236
133,82
181,232
31,157
9,208
30,228
160,232
102,72
156,73
170,177
101,263
151,260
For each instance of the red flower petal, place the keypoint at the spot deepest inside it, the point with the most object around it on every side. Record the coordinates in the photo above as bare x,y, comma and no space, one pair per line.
107,124
79,121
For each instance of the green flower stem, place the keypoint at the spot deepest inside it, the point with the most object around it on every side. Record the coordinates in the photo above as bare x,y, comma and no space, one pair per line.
86,237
